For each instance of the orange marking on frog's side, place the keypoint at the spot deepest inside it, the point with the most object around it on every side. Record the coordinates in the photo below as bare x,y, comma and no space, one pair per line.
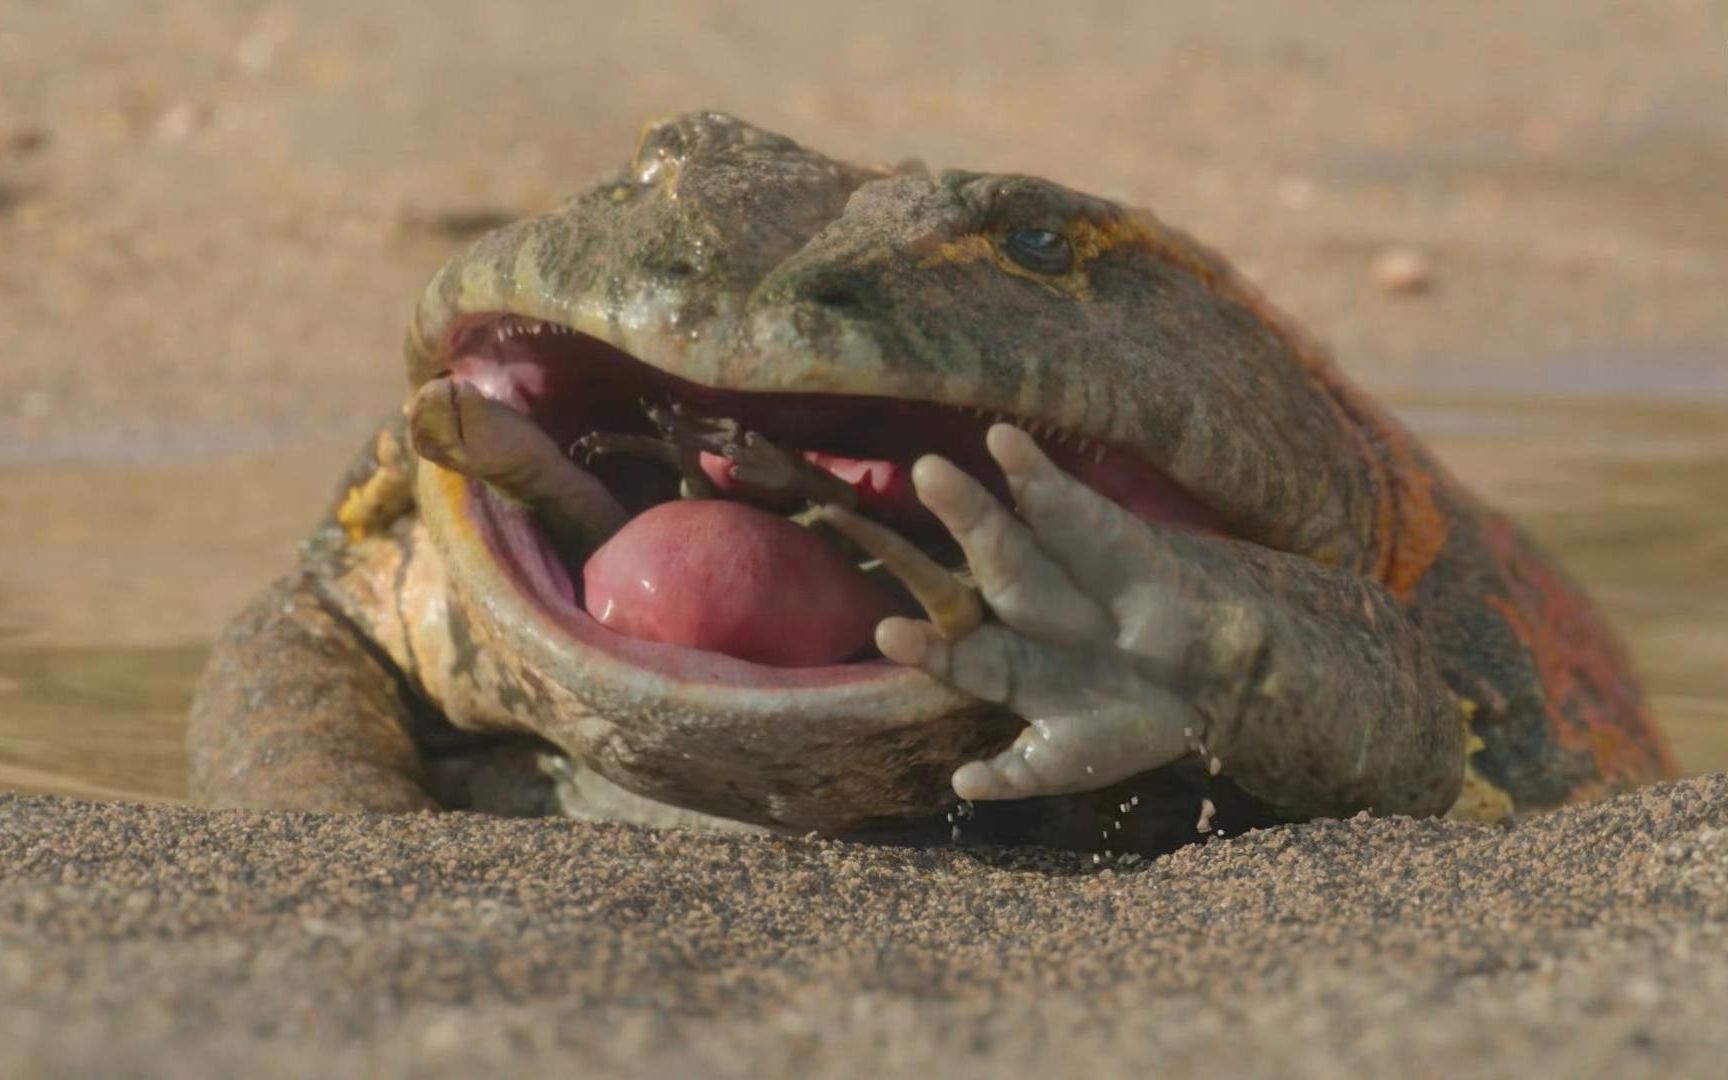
1593,702
370,506
1411,526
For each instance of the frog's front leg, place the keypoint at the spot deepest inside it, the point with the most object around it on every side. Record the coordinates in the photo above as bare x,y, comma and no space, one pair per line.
297,710
1125,646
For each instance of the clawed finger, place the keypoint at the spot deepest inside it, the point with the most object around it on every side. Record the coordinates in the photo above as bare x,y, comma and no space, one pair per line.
1128,565
1092,538
1064,754
1025,588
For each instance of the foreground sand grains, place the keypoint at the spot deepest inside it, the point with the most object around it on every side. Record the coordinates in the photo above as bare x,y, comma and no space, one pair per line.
169,941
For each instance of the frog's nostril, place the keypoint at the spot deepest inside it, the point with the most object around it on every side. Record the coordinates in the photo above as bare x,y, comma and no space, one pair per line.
836,294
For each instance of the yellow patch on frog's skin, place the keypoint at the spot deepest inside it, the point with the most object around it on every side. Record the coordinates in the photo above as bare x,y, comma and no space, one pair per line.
450,487
1480,800
525,278
664,169
1089,239
386,494
478,286
968,248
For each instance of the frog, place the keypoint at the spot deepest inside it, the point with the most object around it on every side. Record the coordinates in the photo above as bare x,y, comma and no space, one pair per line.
751,488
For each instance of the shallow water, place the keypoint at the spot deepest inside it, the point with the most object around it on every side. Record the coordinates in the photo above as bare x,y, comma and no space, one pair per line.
97,723
1631,493
1633,498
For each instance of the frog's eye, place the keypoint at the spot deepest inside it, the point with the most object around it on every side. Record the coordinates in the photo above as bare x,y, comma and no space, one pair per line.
1039,250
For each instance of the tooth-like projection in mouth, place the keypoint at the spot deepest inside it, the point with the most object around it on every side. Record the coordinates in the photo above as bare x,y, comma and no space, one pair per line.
715,533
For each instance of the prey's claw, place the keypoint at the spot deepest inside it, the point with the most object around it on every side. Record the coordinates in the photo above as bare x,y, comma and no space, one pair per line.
678,424
686,460
767,468
598,443
759,468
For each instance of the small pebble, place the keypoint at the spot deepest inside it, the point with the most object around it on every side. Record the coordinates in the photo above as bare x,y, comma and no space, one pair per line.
23,141
1295,192
35,404
1403,271
179,123
1206,812
256,52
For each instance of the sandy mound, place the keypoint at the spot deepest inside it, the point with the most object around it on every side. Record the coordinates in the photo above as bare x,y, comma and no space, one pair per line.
167,941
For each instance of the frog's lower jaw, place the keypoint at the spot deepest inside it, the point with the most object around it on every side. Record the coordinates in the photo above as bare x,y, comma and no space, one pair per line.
821,745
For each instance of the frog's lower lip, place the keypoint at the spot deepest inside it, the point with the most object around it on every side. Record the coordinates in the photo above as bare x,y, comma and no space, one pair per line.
803,748
572,384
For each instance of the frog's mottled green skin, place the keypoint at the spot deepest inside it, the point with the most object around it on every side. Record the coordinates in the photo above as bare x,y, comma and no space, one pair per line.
1375,638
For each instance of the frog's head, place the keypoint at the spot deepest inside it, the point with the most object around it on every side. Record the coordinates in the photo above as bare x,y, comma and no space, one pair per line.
873,315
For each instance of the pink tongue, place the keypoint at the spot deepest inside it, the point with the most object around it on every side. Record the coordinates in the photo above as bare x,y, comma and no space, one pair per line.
733,579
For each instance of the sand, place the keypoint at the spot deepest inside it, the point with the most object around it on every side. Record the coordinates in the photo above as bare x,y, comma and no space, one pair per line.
162,941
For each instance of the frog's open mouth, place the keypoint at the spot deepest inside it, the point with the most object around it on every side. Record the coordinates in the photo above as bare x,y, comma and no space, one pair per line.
642,527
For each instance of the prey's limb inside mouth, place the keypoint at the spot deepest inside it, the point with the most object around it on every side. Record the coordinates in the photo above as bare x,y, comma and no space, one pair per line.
759,534
717,457
454,424
774,527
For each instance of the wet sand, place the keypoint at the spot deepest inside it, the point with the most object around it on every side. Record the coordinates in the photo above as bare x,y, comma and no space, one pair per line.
175,942
213,220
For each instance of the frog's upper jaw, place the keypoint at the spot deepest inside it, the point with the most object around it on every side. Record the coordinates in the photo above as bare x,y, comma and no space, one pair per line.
735,259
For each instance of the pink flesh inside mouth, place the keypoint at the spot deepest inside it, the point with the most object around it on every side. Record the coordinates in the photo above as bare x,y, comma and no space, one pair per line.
729,590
